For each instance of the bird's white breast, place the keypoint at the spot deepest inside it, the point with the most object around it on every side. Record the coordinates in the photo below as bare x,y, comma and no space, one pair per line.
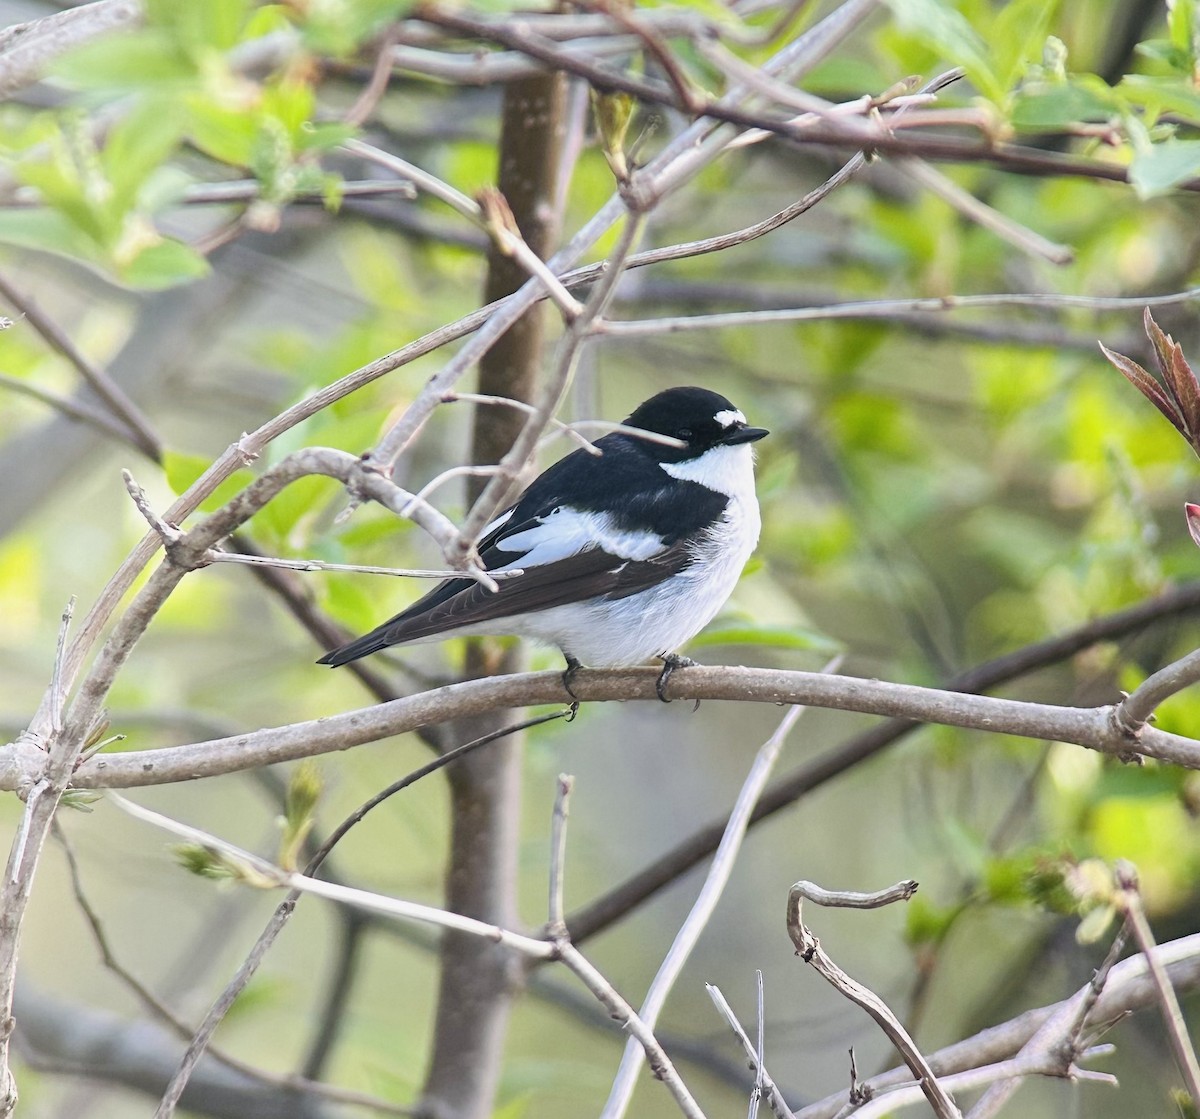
608,633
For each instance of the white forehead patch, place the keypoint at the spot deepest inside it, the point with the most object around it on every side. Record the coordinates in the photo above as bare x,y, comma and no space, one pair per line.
729,416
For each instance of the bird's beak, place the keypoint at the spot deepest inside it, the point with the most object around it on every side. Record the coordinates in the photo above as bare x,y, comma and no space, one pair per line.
744,434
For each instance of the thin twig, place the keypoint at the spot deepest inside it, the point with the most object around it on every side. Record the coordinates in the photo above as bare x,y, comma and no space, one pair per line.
558,853
683,157
203,1035
1041,1038
519,455
102,384
74,409
762,1079
1008,229
876,308
760,1074
632,1023
701,911
163,1012
506,235
521,406
264,874
350,568
373,92
1130,900
1052,1051
58,695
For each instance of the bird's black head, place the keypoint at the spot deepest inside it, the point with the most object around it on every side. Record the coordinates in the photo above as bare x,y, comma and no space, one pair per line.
700,418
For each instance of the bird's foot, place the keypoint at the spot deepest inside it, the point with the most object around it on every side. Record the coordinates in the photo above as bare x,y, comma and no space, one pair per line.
568,678
672,661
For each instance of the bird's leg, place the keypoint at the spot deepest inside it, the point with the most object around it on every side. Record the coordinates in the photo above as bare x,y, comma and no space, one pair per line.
671,661
568,677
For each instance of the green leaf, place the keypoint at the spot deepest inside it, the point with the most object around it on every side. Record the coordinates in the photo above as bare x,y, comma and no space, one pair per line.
228,135
1158,95
1056,106
940,26
1165,165
214,25
1181,26
48,230
164,265
927,923
1017,37
130,63
139,144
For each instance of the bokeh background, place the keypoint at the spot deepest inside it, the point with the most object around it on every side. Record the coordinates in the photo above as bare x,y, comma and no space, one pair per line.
938,489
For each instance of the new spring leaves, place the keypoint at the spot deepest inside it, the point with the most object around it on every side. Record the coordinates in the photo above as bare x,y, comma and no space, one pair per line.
1176,394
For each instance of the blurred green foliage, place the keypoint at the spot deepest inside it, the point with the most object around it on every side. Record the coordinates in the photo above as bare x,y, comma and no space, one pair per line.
934,493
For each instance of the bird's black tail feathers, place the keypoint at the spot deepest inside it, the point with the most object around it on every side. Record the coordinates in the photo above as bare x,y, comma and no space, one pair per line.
364,646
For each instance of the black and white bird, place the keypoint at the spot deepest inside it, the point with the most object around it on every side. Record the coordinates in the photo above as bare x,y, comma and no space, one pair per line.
624,557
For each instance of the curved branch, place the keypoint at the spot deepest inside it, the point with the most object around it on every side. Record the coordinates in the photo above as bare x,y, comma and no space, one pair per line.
1137,708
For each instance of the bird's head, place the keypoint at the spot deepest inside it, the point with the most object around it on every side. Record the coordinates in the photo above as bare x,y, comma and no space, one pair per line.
701,419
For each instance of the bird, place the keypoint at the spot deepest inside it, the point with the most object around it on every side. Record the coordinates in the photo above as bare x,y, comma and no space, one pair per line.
622,557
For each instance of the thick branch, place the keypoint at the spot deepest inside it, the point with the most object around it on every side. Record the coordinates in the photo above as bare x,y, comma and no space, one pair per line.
27,49
1085,726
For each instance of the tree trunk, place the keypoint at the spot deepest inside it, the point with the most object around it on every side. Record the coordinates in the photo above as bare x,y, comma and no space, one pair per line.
479,980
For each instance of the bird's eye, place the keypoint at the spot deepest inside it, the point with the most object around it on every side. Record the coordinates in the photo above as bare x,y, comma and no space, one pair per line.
684,433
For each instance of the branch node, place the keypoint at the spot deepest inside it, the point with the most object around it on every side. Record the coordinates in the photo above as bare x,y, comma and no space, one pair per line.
245,453
169,534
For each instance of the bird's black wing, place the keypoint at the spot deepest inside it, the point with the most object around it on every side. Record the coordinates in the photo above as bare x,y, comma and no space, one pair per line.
627,527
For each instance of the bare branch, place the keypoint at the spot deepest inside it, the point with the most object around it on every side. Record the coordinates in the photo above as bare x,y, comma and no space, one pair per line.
618,901
68,406
160,1010
283,912
1130,900
763,1080
123,409
1137,709
1129,987
558,853
701,911
1006,228
809,949
851,899
489,502
521,406
27,49
260,872
349,568
878,308
631,1022
1090,727
684,156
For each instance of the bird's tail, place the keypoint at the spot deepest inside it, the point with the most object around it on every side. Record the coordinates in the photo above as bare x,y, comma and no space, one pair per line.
361,647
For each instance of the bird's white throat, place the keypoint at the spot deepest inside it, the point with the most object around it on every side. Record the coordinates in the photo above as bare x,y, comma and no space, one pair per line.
727,470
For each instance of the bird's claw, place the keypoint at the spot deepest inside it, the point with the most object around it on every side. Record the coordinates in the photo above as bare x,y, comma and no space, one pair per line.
671,662
568,677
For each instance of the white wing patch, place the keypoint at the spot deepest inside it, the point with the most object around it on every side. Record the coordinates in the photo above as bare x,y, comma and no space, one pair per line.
567,531
500,520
